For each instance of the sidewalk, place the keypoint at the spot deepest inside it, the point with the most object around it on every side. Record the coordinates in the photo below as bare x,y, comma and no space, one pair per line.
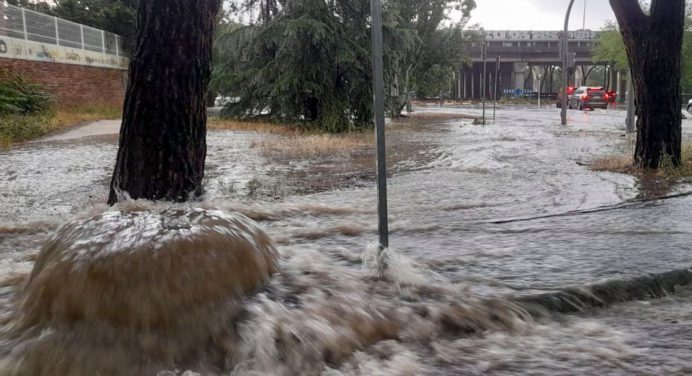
98,128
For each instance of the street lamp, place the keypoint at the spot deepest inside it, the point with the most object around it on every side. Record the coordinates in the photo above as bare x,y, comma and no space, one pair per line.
565,38
583,24
378,90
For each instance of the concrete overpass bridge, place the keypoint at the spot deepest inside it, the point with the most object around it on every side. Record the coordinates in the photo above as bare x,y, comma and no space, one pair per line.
524,56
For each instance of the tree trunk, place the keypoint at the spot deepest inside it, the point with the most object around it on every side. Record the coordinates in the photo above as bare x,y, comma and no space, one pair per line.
163,135
654,44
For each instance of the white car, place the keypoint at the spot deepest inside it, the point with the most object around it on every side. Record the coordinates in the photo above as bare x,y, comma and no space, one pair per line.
689,106
222,101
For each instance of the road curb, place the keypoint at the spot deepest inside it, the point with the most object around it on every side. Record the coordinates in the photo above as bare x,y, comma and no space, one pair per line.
578,299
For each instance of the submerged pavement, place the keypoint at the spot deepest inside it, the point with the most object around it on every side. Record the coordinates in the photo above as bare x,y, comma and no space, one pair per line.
478,214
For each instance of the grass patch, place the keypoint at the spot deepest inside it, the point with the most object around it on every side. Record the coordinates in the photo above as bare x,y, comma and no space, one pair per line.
614,163
624,164
435,117
18,128
315,145
218,124
65,118
295,141
15,128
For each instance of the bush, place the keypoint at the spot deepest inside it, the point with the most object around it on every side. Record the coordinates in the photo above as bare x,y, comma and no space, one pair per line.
24,109
18,96
18,128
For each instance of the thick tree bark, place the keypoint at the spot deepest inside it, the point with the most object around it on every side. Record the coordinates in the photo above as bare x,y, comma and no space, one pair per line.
163,135
654,44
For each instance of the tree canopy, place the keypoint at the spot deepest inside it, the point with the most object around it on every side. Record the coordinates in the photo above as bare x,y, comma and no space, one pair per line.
308,61
421,53
611,48
304,61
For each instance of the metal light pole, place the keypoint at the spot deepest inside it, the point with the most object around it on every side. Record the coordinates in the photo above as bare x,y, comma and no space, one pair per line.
630,104
583,23
485,76
497,73
565,43
378,91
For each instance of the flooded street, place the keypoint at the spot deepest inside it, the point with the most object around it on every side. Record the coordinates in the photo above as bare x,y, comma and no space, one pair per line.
478,214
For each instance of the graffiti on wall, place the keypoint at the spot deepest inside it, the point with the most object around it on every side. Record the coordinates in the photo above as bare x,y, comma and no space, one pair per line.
514,35
14,48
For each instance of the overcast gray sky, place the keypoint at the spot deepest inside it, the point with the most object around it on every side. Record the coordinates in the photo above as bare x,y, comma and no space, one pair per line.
539,14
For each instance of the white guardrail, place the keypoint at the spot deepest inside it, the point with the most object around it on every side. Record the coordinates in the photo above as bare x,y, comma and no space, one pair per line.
29,35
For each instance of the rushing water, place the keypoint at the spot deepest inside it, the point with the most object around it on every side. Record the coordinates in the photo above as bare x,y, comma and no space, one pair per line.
478,213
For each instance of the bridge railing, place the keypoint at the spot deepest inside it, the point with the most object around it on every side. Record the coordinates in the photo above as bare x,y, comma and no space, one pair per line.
24,24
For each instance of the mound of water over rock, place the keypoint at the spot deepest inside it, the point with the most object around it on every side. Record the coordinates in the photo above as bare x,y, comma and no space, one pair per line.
123,291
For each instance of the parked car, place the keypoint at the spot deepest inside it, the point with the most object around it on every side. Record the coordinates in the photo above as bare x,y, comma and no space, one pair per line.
689,106
558,99
588,97
611,96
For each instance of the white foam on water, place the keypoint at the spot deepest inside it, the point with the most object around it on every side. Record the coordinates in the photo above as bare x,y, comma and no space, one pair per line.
398,268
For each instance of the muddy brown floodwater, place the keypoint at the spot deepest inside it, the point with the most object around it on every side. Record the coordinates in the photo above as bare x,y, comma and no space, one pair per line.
479,215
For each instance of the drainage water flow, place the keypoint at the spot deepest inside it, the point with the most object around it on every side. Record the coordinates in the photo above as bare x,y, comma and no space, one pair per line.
447,306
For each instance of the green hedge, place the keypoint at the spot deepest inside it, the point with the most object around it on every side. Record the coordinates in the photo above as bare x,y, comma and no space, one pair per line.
24,109
18,96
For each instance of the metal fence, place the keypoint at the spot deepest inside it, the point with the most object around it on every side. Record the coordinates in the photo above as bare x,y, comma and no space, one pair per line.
21,23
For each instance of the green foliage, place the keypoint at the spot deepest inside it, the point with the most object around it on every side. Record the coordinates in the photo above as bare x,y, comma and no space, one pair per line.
308,61
435,81
419,50
305,62
687,54
17,96
24,109
18,128
611,48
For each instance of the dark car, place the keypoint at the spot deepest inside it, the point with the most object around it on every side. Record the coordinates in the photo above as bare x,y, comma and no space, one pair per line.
588,97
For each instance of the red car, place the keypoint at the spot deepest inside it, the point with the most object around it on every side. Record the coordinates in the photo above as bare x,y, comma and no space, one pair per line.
610,96
570,91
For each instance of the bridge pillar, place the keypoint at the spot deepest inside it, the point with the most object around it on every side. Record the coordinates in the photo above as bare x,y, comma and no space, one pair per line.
458,96
473,85
612,75
536,71
521,72
578,77
465,87
481,84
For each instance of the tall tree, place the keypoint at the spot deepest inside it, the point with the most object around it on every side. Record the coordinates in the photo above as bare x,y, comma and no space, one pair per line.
163,135
302,61
653,43
420,45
